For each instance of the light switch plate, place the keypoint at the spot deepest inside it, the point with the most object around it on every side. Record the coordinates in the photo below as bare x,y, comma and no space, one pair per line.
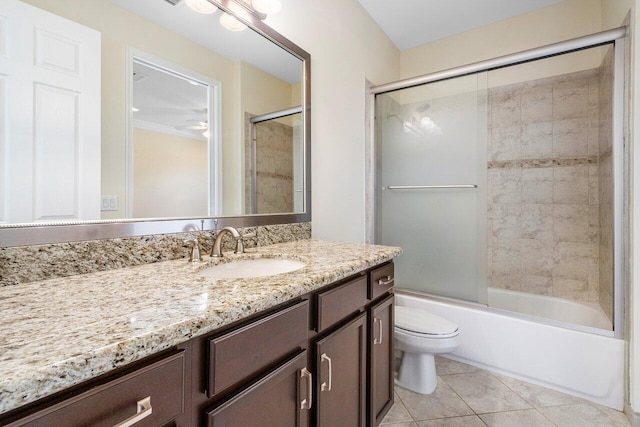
109,203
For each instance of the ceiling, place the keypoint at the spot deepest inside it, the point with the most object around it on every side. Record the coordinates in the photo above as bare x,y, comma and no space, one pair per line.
171,104
410,23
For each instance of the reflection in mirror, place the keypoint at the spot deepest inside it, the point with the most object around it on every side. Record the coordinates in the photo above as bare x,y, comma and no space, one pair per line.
171,142
274,155
76,151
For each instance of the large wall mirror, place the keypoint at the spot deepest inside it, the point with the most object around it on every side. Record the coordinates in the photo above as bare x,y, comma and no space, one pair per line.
122,118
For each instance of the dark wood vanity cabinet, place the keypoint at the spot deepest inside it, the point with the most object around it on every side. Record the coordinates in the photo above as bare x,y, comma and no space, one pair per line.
341,372
323,359
381,359
151,395
277,399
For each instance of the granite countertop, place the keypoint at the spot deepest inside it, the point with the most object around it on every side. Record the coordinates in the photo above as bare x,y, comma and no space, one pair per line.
59,332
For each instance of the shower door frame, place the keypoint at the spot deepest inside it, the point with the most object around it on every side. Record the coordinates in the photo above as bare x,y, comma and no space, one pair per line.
616,37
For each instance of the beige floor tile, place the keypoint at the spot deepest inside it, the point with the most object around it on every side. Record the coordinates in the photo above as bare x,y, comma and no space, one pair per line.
397,414
484,393
525,418
584,415
468,421
410,424
536,395
442,403
446,366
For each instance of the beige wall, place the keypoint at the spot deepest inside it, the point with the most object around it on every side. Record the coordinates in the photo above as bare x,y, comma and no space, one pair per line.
170,175
346,47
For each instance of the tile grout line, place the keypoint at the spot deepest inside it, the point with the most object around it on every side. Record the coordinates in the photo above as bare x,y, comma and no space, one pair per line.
460,397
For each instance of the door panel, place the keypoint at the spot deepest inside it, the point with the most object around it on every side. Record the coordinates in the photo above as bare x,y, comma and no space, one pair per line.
50,116
341,378
382,359
273,401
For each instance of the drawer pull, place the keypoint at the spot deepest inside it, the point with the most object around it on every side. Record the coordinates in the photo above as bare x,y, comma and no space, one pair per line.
385,281
308,401
379,322
144,410
325,386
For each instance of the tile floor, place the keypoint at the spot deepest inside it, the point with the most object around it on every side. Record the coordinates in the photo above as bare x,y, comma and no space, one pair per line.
468,397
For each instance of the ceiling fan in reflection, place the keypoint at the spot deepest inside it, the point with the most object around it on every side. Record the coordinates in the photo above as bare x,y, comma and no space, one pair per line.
197,127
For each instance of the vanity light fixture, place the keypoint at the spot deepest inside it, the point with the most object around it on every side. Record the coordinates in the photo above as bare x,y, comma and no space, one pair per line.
134,109
268,7
202,6
231,23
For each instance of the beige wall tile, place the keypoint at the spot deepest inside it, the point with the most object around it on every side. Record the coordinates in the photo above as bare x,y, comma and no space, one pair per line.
536,140
570,99
536,104
571,223
505,142
504,108
571,261
571,137
537,185
536,222
570,289
539,285
537,257
505,220
571,185
505,185
593,185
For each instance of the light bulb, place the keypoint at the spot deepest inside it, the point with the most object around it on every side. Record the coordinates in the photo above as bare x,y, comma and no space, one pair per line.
231,23
268,7
201,6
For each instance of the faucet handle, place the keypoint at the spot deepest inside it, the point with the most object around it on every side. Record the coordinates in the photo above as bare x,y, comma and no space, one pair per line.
195,250
240,242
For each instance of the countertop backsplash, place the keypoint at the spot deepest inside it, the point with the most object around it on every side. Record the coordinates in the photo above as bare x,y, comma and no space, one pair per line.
25,264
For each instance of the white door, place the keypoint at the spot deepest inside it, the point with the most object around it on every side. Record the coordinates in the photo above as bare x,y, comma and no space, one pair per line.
49,117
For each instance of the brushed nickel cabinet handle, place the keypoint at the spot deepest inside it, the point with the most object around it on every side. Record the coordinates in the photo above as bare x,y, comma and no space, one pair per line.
308,401
379,322
144,410
325,386
385,281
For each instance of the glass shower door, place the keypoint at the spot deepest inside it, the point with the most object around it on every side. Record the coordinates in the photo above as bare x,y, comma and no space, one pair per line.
431,185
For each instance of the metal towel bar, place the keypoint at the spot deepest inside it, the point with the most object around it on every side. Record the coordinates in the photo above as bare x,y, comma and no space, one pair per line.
428,187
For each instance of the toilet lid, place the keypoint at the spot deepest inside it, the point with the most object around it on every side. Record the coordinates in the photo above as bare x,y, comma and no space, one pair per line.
423,322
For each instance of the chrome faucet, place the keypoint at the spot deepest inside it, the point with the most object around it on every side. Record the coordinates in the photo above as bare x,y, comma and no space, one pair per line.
216,251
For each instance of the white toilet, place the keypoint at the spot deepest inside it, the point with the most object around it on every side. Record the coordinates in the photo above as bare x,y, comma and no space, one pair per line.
420,335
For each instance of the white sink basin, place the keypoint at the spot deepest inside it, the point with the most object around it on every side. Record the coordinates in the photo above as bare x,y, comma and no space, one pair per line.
259,267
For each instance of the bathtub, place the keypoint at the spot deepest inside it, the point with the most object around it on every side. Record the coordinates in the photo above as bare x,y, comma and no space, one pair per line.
585,363
586,314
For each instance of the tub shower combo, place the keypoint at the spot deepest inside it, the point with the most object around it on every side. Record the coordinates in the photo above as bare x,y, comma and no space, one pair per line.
504,183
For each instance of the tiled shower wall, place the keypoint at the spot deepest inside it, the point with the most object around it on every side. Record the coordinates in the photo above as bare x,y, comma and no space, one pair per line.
543,192
605,179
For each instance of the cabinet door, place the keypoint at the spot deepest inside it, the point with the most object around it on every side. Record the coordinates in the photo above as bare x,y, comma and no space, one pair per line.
341,380
381,351
281,398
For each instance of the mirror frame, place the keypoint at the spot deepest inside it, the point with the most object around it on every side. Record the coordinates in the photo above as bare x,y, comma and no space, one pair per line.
35,234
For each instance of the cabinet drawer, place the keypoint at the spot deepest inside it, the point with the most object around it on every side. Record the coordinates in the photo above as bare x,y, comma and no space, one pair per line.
381,281
162,382
339,302
250,349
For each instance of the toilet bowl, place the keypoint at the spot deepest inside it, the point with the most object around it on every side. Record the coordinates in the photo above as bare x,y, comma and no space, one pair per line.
420,335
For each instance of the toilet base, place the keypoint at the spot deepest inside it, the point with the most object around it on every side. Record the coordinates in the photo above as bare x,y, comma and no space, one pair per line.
418,373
